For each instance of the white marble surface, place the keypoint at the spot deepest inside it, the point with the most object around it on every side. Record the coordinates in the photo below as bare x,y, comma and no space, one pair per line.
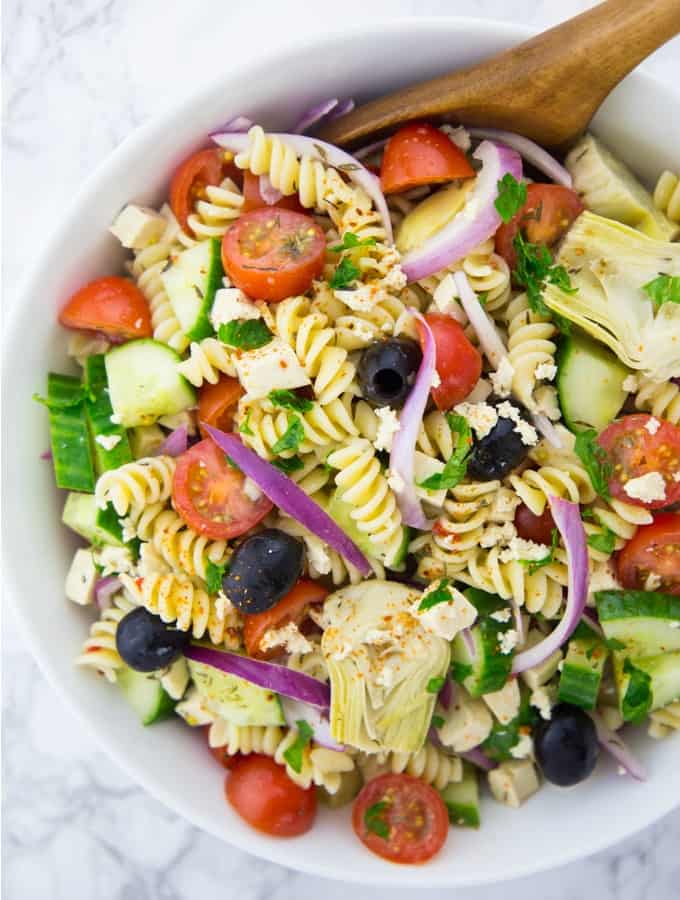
78,76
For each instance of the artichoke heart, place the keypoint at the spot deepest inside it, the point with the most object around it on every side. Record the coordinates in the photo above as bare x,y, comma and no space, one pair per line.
609,264
380,659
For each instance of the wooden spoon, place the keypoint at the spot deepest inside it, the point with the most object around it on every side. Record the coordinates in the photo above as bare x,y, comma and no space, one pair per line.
547,89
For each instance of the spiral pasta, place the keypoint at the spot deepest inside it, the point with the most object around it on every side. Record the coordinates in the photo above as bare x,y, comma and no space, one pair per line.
663,722
531,344
362,485
667,195
661,399
213,213
175,598
312,663
135,485
322,560
435,438
567,479
99,650
206,361
487,272
429,764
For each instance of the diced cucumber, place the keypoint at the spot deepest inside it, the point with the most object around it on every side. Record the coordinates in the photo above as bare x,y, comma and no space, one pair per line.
99,411
643,621
487,669
646,683
191,283
461,799
589,383
69,438
146,695
144,383
340,511
350,784
234,699
98,526
582,669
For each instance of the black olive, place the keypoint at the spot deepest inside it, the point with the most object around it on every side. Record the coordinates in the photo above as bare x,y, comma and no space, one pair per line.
262,570
146,643
501,450
566,745
387,370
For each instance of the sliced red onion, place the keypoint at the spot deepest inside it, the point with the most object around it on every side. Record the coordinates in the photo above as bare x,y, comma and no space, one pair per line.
327,153
46,454
613,744
489,338
568,521
446,694
314,115
104,590
469,642
478,758
537,156
547,429
294,710
477,221
591,620
283,492
342,109
235,125
363,152
676,381
268,192
175,443
271,676
402,456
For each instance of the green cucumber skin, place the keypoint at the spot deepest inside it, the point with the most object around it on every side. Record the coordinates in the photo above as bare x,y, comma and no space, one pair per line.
145,695
99,411
69,438
98,526
581,674
594,408
462,801
662,687
214,278
491,669
613,605
641,620
212,281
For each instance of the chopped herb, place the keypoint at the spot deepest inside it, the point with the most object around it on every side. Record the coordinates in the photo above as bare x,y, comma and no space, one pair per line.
244,427
590,651
614,644
595,461
434,685
482,298
214,575
293,755
345,275
512,195
663,289
321,151
587,513
605,541
534,267
289,400
437,721
349,167
535,564
455,469
292,437
350,241
288,464
460,671
374,821
246,335
441,594
638,696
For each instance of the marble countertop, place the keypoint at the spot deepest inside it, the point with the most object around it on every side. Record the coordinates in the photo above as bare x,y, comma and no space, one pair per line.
78,76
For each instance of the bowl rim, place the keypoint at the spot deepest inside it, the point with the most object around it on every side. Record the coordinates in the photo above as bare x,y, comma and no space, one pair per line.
273,851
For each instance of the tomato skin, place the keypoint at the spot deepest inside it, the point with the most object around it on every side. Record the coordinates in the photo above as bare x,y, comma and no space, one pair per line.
415,813
547,214
532,527
291,608
217,403
654,549
193,175
208,494
419,154
112,305
253,199
273,253
633,451
262,793
459,364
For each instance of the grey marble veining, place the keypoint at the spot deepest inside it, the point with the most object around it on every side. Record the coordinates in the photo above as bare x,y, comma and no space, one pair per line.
79,75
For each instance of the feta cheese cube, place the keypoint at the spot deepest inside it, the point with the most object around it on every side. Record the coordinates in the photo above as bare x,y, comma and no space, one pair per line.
501,615
467,723
630,384
448,618
114,560
648,487
504,704
501,379
545,371
230,305
513,782
272,367
137,227
81,578
543,699
519,548
524,747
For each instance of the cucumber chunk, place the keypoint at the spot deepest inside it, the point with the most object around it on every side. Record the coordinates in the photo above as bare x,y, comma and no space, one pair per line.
582,670
98,526
643,621
69,438
144,383
646,683
341,512
191,283
146,695
99,411
589,383
487,670
234,699
462,800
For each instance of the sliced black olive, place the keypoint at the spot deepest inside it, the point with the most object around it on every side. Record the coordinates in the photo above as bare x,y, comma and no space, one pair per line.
146,643
502,449
566,746
387,370
262,570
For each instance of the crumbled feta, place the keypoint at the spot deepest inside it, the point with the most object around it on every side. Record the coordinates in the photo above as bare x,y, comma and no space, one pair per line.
230,305
445,296
114,560
630,384
503,505
508,640
385,677
289,638
150,560
518,548
480,416
272,367
560,665
436,380
395,481
251,490
501,379
648,487
445,619
459,135
523,748
541,700
652,582
362,298
223,606
318,559
527,432
545,372
497,534
137,227
505,703
108,441
115,418
423,467
128,530
652,426
502,615
388,426
81,578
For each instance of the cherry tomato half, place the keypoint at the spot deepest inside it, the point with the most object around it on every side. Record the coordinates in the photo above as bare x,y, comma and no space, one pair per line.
217,403
400,818
208,494
532,527
194,175
547,214
113,305
262,793
291,608
421,154
637,445
654,550
253,199
273,253
459,364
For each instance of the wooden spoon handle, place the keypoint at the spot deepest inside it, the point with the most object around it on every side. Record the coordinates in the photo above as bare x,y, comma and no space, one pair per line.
547,88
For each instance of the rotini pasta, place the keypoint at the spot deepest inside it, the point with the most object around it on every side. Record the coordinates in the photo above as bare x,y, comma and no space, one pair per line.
532,348
661,399
667,195
663,722
213,213
487,272
206,361
429,764
322,560
99,650
132,486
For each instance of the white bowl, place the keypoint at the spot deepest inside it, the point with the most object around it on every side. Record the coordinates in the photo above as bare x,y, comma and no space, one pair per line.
640,120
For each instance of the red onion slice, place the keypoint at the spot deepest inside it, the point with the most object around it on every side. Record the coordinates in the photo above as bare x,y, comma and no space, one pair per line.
591,620
402,456
268,192
328,111
489,338
46,454
235,125
447,693
104,590
294,710
478,758
283,492
477,221
469,642
612,743
175,443
568,521
537,156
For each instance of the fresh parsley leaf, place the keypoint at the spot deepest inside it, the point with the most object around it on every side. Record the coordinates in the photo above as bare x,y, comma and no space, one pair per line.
292,437
535,564
248,334
663,289
293,755
587,513
244,427
455,469
345,275
534,267
604,542
512,195
482,297
374,821
503,738
595,461
441,594
214,575
460,671
434,685
288,464
438,721
638,697
614,644
289,400
350,241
